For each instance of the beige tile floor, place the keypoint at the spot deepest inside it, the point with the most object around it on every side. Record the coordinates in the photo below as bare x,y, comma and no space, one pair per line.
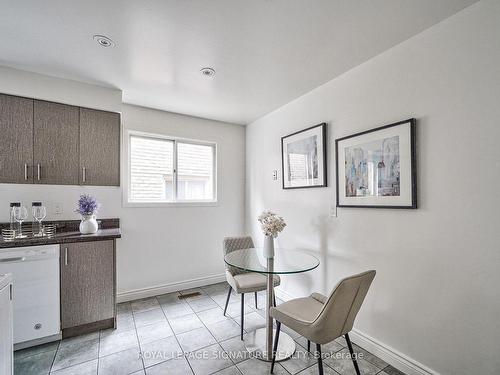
174,336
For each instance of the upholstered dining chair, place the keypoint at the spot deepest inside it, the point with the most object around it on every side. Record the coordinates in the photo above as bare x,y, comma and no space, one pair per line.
322,319
242,281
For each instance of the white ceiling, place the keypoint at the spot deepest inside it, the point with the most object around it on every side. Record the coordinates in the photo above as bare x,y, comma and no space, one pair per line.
266,52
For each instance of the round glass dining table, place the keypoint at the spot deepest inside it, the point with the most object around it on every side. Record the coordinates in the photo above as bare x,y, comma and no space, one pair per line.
260,341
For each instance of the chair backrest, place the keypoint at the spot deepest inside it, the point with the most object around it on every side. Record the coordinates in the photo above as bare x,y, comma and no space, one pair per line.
231,244
342,305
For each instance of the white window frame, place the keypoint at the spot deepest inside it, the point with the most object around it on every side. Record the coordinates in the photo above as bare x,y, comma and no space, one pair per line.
176,203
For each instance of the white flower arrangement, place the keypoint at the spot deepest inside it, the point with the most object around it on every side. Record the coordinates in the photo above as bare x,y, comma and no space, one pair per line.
271,223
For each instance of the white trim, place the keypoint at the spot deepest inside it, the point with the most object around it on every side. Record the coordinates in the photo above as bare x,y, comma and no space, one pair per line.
393,357
171,204
390,355
169,288
281,294
175,170
39,341
169,137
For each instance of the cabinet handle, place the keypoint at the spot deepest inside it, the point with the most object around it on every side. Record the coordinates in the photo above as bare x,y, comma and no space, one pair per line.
65,256
38,171
16,259
26,171
84,173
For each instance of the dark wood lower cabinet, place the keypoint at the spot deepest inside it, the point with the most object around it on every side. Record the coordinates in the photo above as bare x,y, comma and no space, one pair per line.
88,287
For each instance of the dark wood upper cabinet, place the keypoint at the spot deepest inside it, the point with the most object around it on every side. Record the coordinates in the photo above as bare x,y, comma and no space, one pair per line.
16,134
55,143
44,142
99,148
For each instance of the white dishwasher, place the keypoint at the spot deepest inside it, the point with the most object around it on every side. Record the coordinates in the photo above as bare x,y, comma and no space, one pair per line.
6,345
35,276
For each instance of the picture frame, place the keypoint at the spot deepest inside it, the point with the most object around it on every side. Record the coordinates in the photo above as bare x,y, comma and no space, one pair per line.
303,158
377,168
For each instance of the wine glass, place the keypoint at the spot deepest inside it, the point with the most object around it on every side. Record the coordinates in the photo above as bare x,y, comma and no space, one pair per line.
20,215
39,213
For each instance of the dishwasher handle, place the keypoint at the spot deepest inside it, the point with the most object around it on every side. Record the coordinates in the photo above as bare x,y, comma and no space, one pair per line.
16,259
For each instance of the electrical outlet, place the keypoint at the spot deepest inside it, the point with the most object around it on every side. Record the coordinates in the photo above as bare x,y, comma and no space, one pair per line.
275,175
57,209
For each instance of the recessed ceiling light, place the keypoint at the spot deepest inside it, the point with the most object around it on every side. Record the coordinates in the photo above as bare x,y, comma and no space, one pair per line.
207,72
104,41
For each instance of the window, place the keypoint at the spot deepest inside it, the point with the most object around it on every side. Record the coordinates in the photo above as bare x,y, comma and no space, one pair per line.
171,170
195,165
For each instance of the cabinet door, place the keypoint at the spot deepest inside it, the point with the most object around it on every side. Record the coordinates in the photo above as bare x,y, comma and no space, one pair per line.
99,148
87,282
6,346
16,140
55,143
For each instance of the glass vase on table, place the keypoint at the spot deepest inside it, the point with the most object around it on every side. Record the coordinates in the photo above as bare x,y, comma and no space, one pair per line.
268,250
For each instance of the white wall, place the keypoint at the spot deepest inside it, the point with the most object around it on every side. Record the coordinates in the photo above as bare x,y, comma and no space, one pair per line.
172,244
160,247
17,82
435,298
38,86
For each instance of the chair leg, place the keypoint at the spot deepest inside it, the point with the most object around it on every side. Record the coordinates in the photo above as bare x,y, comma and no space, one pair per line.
308,346
227,300
274,299
275,348
349,345
242,312
320,359
256,300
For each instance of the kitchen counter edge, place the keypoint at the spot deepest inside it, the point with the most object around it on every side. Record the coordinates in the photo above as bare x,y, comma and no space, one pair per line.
64,237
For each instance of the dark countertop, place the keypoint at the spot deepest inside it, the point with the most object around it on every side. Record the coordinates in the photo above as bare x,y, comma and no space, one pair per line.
65,237
67,233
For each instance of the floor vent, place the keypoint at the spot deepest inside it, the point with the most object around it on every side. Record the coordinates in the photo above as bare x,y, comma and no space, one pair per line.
189,295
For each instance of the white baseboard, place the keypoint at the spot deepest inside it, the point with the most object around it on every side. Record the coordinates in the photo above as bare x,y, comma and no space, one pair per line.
169,288
283,295
393,357
390,355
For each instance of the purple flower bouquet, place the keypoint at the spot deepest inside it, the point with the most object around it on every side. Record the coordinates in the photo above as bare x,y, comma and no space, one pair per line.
87,205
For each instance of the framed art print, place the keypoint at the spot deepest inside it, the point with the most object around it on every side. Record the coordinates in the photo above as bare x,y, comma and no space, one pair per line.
303,158
377,168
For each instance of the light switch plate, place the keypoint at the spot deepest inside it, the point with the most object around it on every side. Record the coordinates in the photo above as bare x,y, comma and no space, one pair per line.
275,175
333,210
57,208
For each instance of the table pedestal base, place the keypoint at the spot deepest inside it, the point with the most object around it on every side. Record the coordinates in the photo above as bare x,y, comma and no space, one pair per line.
255,343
